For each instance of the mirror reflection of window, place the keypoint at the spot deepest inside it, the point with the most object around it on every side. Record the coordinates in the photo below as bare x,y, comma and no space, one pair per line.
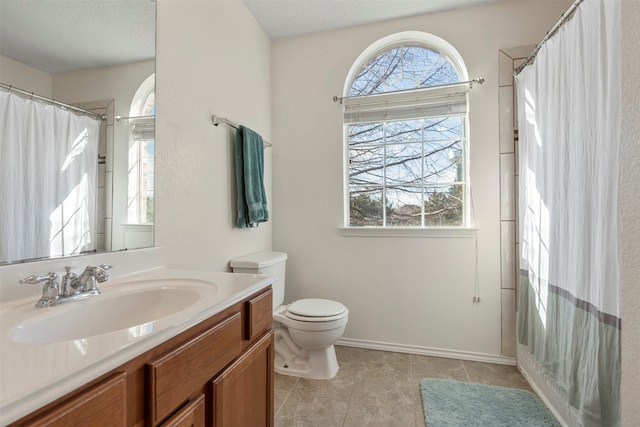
140,200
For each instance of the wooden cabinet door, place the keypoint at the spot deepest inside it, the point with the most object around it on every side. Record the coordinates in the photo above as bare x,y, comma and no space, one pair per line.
192,415
242,395
101,405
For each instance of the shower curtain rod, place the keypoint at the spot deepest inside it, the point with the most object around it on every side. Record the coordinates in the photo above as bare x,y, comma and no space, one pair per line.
118,118
224,121
563,19
53,101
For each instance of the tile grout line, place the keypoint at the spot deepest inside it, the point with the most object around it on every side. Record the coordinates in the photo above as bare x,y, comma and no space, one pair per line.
346,412
357,380
411,362
465,371
417,406
285,399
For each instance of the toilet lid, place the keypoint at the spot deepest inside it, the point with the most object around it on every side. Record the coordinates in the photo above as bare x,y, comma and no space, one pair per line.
314,307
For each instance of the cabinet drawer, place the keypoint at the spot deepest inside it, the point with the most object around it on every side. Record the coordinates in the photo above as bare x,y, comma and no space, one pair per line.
174,377
192,415
259,315
104,404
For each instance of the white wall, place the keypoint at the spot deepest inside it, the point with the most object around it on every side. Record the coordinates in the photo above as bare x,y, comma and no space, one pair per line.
408,291
629,208
24,77
212,58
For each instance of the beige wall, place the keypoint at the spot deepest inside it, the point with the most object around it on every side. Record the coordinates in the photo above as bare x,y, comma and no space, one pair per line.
409,291
629,210
212,58
412,292
24,77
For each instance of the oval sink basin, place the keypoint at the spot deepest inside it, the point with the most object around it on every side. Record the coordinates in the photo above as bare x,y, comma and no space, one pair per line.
134,307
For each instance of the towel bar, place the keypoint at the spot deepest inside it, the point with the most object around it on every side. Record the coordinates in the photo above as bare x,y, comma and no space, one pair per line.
223,120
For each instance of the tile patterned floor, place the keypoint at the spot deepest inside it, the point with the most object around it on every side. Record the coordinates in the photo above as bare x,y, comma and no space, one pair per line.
376,388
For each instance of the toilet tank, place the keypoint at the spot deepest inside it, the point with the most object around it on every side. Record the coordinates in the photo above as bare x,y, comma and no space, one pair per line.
269,263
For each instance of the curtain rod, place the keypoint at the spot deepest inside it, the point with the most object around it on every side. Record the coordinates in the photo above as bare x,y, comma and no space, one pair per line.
224,121
563,19
479,80
118,118
53,101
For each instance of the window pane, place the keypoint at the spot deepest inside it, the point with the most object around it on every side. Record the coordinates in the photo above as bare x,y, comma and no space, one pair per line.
373,78
439,72
404,131
405,67
366,165
148,160
443,205
443,162
365,207
404,164
404,207
366,154
443,128
366,134
416,60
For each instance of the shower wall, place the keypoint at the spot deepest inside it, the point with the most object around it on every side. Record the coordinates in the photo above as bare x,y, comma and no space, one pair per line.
508,60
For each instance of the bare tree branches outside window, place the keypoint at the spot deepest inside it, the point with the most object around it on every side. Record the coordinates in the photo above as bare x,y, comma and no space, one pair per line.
408,171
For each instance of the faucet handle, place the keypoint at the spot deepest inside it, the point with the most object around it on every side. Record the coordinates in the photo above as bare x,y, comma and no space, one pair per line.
50,290
32,280
69,275
105,266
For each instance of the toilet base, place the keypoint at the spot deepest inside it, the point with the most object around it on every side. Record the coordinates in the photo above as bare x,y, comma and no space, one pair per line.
319,364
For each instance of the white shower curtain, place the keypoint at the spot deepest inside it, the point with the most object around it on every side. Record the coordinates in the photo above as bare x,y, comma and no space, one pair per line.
48,167
569,121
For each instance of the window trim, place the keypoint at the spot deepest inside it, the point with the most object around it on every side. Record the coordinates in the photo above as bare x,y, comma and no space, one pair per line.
139,116
420,232
429,41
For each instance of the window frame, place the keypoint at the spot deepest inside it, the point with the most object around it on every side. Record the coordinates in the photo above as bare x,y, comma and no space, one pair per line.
434,43
142,114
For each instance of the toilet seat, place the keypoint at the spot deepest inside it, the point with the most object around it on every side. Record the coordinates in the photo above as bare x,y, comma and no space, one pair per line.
290,320
315,310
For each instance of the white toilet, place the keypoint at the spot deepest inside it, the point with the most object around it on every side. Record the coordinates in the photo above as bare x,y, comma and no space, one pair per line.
305,330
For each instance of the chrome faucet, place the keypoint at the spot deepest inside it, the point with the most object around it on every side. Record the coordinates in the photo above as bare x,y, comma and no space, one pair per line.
50,290
74,287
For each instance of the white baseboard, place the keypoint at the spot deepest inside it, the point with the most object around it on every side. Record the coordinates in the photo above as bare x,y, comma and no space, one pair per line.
428,351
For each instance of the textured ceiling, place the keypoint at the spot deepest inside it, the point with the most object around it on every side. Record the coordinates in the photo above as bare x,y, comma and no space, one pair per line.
62,35
284,18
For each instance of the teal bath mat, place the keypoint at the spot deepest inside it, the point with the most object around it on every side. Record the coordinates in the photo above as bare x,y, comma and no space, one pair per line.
454,403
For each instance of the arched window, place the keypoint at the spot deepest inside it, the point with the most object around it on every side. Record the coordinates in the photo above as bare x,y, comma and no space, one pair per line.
140,191
405,118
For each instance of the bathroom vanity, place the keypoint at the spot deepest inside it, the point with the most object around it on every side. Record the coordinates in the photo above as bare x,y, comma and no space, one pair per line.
211,367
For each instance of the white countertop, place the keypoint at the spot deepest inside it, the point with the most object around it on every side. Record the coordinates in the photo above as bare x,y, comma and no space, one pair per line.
32,375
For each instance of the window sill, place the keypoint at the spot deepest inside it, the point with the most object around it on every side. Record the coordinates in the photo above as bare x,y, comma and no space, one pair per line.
433,232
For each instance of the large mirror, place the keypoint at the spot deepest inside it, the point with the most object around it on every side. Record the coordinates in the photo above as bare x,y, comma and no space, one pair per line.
90,188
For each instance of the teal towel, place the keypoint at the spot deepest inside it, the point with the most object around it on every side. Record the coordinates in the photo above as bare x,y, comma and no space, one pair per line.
252,199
